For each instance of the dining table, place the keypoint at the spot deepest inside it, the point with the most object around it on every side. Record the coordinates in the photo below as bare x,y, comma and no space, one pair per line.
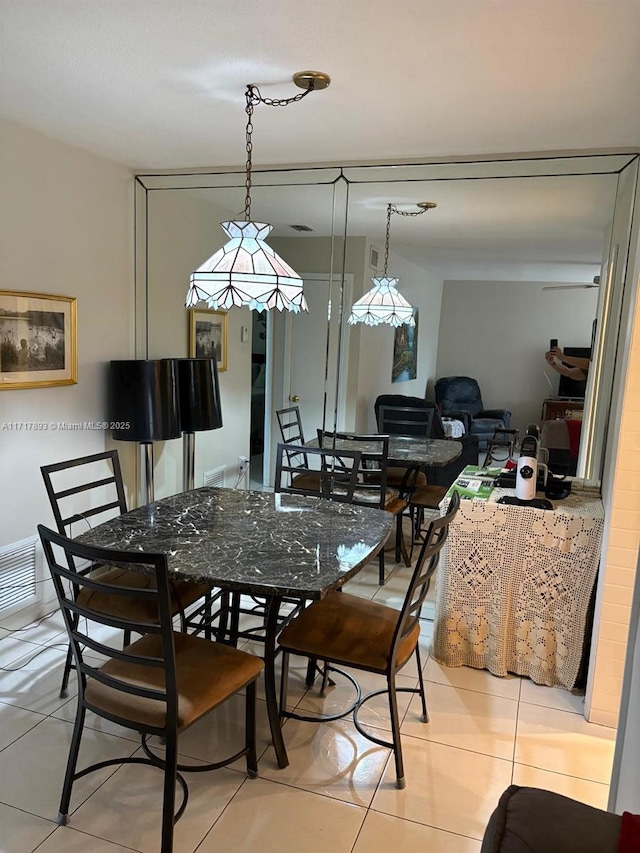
408,450
276,546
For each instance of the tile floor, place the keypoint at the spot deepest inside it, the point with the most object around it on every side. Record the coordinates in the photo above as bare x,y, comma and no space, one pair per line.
338,792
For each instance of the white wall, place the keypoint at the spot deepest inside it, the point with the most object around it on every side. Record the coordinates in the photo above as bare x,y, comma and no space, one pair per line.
424,291
183,231
498,331
65,228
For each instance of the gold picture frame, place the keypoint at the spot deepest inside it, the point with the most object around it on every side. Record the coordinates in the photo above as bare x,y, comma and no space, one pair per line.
208,335
38,340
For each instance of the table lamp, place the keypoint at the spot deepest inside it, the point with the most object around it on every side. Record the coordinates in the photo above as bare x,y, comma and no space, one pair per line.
200,408
143,407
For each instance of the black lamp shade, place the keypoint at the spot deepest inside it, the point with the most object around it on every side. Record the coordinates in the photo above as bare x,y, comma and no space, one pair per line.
199,394
143,400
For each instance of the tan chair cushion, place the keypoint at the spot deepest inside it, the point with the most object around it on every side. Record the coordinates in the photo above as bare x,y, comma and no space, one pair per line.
309,481
349,629
207,674
183,594
395,476
428,496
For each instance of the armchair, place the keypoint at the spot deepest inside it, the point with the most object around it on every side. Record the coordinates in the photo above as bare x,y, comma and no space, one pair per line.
459,397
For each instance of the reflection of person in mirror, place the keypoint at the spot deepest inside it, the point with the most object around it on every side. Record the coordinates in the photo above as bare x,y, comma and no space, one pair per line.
573,366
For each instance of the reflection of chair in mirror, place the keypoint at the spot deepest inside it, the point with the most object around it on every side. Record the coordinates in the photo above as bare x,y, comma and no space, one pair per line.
405,420
292,434
350,631
335,480
459,397
501,446
90,489
154,686
446,475
372,487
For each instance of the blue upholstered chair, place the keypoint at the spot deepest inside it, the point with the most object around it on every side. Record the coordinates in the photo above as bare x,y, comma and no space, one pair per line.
459,397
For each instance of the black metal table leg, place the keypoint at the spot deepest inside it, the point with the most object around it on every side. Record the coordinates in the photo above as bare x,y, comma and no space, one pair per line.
271,695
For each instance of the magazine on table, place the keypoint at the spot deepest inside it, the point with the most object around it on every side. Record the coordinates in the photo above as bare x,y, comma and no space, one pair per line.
475,483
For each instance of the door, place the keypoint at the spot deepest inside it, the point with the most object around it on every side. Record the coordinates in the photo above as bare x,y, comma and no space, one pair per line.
306,361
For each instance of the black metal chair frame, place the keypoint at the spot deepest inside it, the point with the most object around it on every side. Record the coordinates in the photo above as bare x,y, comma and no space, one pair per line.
405,420
200,618
375,487
408,618
159,597
502,438
292,434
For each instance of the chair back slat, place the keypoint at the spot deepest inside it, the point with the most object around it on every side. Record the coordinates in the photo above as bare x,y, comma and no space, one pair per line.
405,420
436,536
335,477
81,594
292,434
90,495
374,455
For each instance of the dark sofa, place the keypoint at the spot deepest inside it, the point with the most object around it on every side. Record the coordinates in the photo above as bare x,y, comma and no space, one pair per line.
531,820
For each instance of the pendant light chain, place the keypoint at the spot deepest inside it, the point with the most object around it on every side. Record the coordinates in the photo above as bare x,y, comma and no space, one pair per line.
391,208
253,97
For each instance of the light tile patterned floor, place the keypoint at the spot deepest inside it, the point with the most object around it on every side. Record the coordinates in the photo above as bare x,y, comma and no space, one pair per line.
338,792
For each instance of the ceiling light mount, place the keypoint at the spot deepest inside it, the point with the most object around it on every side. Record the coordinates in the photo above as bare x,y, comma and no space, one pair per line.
246,270
315,80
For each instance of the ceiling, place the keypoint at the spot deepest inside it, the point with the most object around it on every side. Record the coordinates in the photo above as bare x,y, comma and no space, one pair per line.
159,84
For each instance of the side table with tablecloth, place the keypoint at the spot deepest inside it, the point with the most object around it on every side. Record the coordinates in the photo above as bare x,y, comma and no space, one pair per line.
514,587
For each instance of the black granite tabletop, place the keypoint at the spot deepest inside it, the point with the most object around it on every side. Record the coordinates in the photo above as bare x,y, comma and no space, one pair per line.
428,452
251,541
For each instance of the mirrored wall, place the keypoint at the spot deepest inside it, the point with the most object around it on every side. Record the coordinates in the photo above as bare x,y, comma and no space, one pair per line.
504,263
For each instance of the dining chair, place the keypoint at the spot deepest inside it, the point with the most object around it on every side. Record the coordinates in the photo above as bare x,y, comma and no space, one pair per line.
160,685
408,421
292,435
346,630
372,489
335,477
90,489
425,497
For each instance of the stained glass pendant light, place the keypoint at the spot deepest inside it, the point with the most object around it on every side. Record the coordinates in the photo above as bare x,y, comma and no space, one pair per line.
246,270
384,303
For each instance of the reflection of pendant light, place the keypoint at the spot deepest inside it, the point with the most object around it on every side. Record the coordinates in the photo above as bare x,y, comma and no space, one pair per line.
383,303
246,270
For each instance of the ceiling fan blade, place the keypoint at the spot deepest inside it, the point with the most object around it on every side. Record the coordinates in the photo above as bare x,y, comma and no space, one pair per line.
571,287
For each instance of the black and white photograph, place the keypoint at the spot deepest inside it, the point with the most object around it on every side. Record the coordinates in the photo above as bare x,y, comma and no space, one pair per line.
208,336
37,340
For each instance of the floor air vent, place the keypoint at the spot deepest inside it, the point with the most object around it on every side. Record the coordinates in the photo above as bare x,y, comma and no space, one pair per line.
215,477
19,575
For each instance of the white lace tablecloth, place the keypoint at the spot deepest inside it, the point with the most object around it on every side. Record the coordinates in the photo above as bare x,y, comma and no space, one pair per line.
514,585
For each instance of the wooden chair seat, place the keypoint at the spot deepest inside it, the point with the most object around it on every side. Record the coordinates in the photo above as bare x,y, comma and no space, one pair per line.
428,497
396,477
350,630
230,669
183,595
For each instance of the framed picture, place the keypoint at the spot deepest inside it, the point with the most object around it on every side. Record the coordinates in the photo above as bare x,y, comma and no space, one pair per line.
208,335
405,352
38,340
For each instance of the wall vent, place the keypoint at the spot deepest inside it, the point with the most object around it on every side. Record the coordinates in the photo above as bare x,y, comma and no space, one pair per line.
20,575
374,258
215,477
301,228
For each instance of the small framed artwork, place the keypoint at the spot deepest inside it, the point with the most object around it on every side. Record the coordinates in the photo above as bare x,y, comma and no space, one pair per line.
208,335
38,340
405,352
